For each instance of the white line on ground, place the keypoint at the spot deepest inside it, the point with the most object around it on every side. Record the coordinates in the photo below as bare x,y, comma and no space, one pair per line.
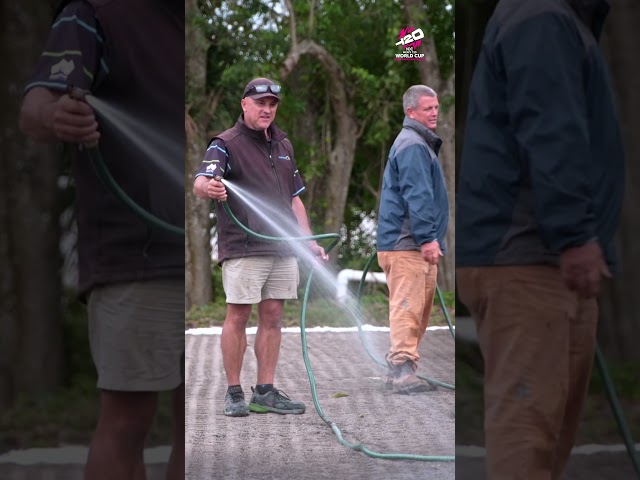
252,330
72,455
473,451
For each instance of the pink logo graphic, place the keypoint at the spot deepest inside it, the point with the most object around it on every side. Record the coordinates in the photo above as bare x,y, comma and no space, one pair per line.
410,37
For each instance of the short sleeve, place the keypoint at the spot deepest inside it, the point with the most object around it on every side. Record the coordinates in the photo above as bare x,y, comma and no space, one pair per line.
216,160
298,183
73,54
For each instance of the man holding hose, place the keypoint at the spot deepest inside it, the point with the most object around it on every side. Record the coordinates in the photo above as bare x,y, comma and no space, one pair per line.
258,157
130,275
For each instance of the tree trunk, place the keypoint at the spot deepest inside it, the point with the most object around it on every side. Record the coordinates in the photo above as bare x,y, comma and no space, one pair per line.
197,246
471,19
30,282
430,75
619,325
342,154
306,130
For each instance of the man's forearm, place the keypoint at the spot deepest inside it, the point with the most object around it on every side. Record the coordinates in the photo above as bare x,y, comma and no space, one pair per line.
301,215
35,114
200,186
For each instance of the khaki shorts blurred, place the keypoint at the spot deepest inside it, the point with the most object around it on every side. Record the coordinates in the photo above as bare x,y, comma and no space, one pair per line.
136,333
249,280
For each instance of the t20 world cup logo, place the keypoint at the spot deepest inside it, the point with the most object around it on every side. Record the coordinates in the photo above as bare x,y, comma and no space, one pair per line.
410,39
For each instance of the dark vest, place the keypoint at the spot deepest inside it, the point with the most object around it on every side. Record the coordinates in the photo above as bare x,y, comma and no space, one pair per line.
144,51
257,167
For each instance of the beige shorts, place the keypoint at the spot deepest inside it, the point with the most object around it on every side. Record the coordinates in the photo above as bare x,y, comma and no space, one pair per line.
136,333
249,280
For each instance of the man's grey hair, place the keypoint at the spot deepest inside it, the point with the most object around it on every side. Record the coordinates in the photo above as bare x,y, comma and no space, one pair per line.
412,96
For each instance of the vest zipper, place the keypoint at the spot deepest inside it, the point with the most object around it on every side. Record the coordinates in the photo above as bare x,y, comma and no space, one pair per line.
273,168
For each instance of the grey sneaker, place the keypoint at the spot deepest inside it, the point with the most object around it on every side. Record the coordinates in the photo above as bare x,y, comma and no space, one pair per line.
274,401
234,404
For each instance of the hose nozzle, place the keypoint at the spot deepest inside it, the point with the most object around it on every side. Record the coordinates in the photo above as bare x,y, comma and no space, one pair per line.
218,178
77,93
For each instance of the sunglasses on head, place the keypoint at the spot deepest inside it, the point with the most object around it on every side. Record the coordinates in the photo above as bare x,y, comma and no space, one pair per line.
263,88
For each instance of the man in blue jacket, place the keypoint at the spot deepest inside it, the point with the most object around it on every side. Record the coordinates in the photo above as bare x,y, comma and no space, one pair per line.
539,198
412,224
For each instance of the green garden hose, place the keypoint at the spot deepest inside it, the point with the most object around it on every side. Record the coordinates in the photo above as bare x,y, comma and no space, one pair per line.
617,410
601,364
305,353
110,183
107,179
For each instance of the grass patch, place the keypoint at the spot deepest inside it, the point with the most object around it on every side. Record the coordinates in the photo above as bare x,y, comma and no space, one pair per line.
320,312
67,416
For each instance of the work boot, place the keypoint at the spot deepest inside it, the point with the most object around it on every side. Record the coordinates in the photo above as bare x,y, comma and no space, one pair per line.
390,375
407,382
234,404
388,379
274,401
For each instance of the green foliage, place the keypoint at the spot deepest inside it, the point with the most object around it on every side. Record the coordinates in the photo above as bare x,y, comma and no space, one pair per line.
624,376
360,239
321,311
442,19
449,299
250,38
79,367
67,416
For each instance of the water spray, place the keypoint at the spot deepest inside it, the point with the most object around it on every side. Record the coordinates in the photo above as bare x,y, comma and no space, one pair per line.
110,183
305,353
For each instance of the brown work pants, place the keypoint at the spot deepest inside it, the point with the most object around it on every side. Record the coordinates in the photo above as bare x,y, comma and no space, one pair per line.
538,340
412,285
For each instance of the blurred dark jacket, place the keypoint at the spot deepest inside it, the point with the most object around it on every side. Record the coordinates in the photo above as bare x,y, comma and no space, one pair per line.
99,46
542,164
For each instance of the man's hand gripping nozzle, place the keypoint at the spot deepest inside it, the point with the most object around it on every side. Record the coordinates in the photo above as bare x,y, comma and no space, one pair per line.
79,94
218,178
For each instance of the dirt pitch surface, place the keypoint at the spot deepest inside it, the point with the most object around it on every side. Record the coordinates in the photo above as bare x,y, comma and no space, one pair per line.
303,447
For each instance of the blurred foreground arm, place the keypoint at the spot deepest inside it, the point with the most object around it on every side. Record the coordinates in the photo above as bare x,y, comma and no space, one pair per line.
49,117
